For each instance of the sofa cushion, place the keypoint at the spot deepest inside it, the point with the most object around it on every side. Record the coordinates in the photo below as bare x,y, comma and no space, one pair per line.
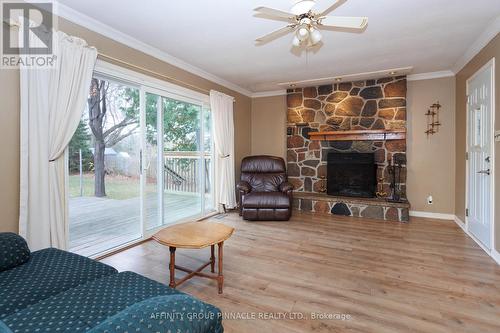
88,305
176,313
266,200
14,250
48,272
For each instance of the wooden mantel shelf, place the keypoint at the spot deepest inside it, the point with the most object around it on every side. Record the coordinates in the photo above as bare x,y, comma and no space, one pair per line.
359,135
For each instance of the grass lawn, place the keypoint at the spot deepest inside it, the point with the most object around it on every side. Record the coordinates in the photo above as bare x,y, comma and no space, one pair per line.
117,187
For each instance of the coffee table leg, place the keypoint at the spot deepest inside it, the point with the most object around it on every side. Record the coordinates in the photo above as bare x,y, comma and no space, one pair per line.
220,277
212,259
172,267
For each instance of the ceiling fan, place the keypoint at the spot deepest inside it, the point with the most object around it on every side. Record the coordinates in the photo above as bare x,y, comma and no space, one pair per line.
306,24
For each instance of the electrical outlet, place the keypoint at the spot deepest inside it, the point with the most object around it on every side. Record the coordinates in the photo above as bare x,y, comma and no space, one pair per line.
429,200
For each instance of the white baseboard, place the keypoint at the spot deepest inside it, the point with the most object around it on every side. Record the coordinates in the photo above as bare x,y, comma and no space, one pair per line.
430,215
460,223
494,254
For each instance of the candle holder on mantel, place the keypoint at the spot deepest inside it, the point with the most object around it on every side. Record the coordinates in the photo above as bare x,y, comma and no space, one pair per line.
433,122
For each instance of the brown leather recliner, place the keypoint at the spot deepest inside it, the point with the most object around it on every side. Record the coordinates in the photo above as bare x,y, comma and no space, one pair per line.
264,193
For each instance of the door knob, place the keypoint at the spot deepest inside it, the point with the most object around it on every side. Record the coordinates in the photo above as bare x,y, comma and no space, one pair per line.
485,172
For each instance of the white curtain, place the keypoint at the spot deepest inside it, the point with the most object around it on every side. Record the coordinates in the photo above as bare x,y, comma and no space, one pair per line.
52,102
223,131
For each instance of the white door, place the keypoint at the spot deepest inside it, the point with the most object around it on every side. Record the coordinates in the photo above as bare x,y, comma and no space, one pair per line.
480,137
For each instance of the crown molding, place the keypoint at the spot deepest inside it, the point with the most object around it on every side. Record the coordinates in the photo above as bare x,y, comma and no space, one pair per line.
269,93
484,38
90,23
430,75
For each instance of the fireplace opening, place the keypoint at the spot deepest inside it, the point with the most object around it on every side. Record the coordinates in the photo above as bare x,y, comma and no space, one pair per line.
351,174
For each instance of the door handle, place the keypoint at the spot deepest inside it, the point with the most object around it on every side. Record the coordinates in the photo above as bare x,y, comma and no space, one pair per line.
485,172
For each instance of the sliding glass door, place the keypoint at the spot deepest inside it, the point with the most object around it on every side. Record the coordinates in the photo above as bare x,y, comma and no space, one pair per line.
179,172
140,159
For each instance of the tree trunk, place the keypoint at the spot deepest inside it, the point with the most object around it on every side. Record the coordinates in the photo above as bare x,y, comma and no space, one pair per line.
99,169
97,111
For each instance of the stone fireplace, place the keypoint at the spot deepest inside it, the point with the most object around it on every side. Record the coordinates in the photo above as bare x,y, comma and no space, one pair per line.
371,106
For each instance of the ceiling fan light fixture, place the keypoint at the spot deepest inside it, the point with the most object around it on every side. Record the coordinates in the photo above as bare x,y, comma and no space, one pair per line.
315,36
302,33
302,6
296,41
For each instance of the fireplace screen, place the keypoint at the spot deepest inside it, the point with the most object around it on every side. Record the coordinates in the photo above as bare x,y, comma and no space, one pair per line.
351,174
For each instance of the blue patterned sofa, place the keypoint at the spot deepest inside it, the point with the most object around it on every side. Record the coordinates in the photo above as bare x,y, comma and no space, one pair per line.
57,291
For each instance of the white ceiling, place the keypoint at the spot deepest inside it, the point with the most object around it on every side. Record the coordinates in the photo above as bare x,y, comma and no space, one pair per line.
217,36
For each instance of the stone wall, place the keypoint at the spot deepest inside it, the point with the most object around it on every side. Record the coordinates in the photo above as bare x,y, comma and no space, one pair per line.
371,104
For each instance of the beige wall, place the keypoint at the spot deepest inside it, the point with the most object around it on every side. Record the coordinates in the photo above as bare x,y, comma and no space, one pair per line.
9,152
269,126
431,160
9,118
487,53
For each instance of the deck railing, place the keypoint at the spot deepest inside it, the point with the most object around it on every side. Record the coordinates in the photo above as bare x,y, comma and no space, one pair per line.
182,171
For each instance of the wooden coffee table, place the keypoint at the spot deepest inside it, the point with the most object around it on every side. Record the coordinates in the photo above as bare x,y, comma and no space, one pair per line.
195,235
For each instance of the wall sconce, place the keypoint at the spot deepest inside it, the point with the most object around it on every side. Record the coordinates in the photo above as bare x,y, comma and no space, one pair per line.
433,122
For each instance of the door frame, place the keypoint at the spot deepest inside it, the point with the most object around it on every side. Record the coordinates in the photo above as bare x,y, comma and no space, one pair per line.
490,65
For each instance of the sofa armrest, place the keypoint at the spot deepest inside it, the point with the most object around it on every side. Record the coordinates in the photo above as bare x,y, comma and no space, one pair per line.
286,187
14,251
243,187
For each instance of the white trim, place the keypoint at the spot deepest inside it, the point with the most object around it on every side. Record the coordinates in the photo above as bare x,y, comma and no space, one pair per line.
484,38
105,30
430,215
460,223
494,254
430,75
269,93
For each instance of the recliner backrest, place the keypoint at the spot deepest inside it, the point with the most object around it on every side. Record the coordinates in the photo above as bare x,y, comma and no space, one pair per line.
263,173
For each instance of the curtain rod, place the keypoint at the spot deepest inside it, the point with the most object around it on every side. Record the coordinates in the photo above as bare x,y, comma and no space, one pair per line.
142,69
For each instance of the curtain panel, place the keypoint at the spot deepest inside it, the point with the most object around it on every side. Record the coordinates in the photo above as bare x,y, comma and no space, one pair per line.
223,131
52,103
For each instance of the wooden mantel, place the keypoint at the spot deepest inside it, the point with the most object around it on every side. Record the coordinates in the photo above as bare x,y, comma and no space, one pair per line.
359,135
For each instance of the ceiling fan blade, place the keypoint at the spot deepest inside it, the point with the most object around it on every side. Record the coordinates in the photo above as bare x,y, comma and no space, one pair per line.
344,22
275,34
330,9
279,14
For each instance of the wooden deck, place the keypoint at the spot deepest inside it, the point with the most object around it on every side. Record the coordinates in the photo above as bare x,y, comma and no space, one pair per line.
388,277
98,224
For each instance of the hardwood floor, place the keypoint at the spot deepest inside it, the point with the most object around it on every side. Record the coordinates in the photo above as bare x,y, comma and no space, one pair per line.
425,276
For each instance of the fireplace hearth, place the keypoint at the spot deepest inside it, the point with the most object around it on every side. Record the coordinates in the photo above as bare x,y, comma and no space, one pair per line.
351,174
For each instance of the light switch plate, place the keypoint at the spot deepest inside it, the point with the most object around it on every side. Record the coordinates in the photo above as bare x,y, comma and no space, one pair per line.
497,136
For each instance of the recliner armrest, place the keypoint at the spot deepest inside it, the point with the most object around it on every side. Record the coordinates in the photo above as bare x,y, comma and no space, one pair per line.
244,187
286,187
